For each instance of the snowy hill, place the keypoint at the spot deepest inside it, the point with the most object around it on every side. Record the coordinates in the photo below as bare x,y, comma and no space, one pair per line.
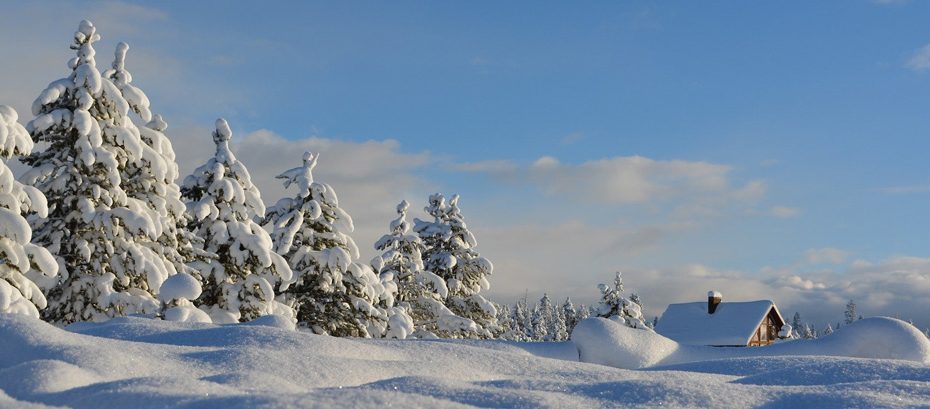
150,363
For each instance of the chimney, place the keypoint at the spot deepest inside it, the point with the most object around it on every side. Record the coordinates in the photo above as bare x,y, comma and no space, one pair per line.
713,300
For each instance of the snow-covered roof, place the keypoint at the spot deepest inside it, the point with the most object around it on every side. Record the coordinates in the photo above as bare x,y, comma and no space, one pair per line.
733,323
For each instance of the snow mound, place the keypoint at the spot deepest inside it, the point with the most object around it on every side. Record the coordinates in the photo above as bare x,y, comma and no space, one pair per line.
179,286
274,321
606,342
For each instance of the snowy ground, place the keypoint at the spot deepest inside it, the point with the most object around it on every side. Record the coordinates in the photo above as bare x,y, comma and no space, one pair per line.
147,363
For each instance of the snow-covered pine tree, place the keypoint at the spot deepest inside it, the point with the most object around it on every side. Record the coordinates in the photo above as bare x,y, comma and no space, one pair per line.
850,313
584,312
828,330
546,317
558,330
450,254
519,319
93,227
419,292
808,332
332,293
504,321
540,328
239,285
615,306
634,298
20,260
570,314
154,180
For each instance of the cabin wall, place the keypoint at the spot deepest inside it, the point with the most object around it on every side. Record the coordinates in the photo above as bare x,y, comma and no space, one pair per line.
767,332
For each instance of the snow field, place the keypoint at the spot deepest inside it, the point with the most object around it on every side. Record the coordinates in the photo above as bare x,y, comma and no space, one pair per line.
153,363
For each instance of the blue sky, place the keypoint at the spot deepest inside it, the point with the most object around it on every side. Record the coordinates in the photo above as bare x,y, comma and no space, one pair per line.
775,151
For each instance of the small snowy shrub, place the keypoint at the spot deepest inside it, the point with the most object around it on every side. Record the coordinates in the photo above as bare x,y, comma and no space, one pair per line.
615,306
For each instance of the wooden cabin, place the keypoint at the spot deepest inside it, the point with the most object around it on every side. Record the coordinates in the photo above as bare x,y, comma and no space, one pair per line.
722,324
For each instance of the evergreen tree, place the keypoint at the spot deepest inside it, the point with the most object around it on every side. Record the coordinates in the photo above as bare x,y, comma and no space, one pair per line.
20,261
540,328
850,312
571,316
796,322
332,293
239,285
545,319
504,321
634,298
450,254
584,312
558,330
154,179
808,333
519,319
419,292
615,306
828,330
94,228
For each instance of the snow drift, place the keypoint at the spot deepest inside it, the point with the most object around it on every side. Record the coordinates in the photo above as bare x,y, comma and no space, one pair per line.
146,363
606,342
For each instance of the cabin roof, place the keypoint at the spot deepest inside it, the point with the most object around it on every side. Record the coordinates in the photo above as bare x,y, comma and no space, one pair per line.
733,323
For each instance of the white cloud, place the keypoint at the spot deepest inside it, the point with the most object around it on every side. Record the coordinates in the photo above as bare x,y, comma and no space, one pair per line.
920,60
628,180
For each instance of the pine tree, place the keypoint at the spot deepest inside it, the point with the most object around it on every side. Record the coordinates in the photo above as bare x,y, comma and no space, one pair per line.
614,306
154,180
796,322
558,330
545,319
21,262
450,254
419,292
808,333
239,285
584,312
519,319
828,330
571,316
332,293
850,312
540,320
93,227
504,321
